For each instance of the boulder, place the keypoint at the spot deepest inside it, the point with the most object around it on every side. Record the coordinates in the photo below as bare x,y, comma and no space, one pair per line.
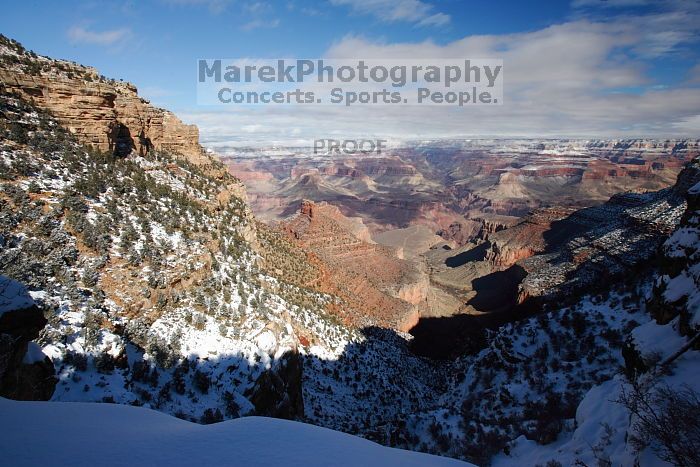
25,373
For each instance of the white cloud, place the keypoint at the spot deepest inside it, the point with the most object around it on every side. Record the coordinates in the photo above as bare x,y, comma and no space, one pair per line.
582,78
214,6
80,35
411,11
690,124
254,128
438,19
260,24
256,8
668,26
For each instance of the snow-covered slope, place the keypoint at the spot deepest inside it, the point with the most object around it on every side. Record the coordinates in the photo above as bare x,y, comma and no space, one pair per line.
544,388
152,277
13,295
83,434
647,416
604,427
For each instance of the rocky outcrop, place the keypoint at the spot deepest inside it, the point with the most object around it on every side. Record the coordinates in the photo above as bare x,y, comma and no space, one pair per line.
490,224
461,232
562,251
353,225
106,114
601,243
532,235
677,292
377,287
25,373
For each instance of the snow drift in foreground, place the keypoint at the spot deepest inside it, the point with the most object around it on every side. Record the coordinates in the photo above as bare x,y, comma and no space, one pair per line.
77,434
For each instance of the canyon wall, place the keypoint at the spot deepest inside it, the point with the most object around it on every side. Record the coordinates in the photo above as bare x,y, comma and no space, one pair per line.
375,285
103,113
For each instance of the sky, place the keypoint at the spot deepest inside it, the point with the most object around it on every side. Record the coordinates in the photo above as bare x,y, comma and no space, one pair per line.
581,68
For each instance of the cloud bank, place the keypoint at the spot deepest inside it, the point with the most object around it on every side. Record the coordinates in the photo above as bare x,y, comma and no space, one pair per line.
588,77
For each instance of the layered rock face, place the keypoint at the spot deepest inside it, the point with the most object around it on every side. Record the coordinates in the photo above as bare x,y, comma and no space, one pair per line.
555,253
379,288
149,251
106,114
385,191
526,238
477,229
605,241
458,187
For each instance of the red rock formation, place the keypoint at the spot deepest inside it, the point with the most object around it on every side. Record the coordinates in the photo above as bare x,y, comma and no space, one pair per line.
464,231
440,183
524,239
106,114
461,232
307,209
376,286
245,172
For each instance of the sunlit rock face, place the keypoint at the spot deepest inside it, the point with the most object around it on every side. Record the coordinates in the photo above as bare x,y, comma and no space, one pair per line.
381,288
459,188
103,113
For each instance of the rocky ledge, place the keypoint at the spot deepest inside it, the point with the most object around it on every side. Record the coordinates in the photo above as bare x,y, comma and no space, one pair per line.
381,289
598,244
106,114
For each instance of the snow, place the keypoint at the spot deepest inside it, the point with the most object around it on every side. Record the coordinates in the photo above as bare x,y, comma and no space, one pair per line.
695,189
84,434
682,239
652,338
603,424
266,341
13,295
598,417
34,354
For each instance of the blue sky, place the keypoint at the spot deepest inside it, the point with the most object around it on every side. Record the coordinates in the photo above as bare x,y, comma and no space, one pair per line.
581,68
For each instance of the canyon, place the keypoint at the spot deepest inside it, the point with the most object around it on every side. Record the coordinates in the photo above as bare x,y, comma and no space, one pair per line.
456,187
383,289
425,230
474,220
474,299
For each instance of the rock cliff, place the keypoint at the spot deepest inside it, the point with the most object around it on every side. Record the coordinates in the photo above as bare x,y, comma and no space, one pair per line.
607,241
377,286
145,260
676,292
530,236
103,113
